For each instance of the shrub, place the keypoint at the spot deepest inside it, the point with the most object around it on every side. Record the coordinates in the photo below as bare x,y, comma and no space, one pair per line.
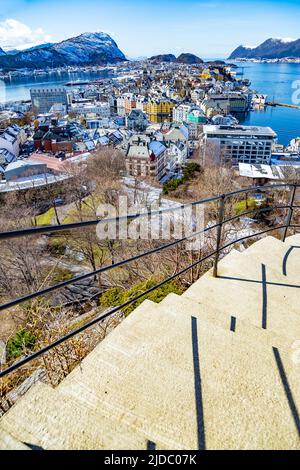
112,297
171,185
244,206
57,246
190,169
188,172
116,296
62,274
18,345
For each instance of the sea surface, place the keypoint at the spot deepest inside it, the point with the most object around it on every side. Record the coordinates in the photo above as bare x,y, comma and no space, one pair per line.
18,88
274,80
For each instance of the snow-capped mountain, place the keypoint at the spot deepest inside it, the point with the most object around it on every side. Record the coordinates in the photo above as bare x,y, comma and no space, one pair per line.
273,48
2,53
86,49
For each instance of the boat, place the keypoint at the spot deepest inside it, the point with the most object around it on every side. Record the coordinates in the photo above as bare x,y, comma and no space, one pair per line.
259,100
77,83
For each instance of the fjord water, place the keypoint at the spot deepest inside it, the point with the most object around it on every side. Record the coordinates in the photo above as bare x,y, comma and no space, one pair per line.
18,88
276,81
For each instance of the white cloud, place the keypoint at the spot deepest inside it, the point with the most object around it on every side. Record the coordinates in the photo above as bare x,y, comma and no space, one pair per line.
17,35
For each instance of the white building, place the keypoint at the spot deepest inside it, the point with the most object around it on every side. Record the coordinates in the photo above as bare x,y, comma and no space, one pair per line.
121,104
12,138
181,112
295,145
170,132
176,155
194,130
141,103
220,120
94,122
102,109
240,144
197,95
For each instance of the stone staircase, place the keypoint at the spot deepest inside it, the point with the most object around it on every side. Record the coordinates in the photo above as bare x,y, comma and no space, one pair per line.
215,368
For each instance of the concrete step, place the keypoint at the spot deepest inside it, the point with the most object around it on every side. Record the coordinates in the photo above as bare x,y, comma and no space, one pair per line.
266,259
48,420
146,376
46,413
269,304
17,420
272,257
275,254
143,382
170,377
8,442
252,335
41,416
293,240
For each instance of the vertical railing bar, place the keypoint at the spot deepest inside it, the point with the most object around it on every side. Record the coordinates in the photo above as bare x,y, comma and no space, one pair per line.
219,233
290,212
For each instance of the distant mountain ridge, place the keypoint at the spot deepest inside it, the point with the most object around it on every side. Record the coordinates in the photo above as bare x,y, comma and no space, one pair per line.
185,58
163,58
190,59
86,49
273,48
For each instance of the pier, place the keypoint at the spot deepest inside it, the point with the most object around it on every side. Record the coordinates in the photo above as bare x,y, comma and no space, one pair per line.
286,105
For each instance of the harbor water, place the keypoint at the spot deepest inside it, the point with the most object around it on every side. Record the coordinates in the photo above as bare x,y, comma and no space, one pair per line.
276,81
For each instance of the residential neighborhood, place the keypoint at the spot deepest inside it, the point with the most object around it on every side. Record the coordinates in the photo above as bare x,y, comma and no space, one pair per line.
159,115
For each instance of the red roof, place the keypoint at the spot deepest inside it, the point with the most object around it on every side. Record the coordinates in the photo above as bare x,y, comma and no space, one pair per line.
52,163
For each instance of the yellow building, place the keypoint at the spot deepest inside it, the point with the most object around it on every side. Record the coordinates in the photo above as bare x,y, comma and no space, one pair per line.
205,75
159,111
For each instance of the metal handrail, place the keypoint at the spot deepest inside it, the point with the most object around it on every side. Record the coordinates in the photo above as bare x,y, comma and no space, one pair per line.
82,277
221,221
88,223
90,274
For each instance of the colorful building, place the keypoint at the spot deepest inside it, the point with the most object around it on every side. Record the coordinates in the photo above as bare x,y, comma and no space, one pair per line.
196,116
159,111
205,75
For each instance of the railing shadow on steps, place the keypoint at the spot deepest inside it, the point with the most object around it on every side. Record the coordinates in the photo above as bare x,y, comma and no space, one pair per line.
221,200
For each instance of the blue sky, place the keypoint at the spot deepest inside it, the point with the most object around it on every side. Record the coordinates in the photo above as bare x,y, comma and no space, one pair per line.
208,28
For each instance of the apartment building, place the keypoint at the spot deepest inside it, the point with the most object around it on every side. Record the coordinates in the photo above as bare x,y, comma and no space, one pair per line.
181,112
141,103
102,109
159,110
197,95
176,156
239,144
171,132
43,99
227,103
12,138
145,157
136,121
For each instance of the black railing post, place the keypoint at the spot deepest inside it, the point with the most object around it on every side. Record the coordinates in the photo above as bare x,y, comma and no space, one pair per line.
219,233
290,212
